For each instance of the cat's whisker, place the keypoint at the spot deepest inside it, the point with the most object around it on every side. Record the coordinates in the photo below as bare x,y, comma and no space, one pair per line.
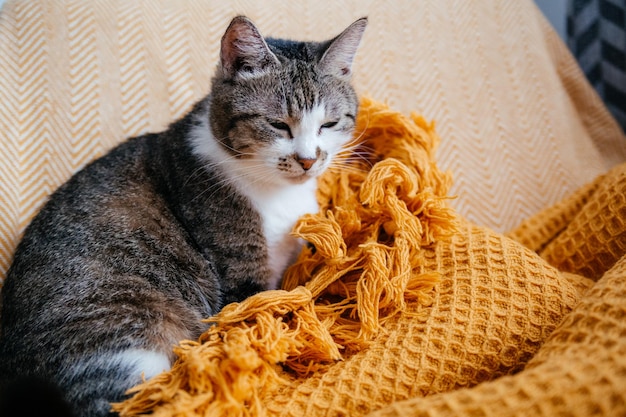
217,185
230,167
355,158
360,147
227,182
237,152
355,152
195,173
350,169
207,166
355,140
360,134
350,161
213,164
249,173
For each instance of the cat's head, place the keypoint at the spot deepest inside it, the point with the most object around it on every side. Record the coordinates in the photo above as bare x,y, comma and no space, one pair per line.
283,108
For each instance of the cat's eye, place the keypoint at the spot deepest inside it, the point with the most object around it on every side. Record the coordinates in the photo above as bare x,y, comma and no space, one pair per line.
280,126
328,125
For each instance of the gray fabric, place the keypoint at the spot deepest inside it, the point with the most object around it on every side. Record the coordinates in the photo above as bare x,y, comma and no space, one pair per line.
596,31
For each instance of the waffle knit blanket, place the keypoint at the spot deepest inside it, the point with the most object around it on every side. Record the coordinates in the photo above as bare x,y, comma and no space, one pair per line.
401,307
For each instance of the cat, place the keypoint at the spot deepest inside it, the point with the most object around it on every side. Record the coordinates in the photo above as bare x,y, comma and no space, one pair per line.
129,255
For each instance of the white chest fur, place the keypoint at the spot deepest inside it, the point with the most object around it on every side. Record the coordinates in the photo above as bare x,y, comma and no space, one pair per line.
278,204
279,211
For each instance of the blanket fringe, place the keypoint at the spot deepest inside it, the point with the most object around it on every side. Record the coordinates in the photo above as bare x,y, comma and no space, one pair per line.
363,266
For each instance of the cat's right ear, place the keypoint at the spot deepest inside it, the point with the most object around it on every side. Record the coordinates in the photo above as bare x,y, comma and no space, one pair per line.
244,51
337,59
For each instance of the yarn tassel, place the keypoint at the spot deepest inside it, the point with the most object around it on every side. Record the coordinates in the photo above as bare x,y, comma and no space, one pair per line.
363,266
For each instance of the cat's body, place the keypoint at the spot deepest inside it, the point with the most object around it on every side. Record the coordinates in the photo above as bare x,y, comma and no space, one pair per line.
129,256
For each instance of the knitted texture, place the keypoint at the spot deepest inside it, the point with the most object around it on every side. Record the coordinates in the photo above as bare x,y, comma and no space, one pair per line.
537,231
579,371
496,304
389,306
586,233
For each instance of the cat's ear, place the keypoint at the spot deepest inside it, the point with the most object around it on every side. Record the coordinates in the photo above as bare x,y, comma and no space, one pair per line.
339,55
243,50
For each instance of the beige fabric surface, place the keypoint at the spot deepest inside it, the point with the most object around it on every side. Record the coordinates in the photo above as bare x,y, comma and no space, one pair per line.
521,128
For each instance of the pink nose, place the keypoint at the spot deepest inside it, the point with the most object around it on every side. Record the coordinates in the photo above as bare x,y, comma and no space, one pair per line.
306,163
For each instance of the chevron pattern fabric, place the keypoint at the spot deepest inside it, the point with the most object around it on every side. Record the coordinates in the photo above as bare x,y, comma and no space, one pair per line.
521,128
506,334
596,31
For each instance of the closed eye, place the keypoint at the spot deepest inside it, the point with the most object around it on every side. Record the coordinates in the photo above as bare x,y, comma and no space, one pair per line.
278,125
329,125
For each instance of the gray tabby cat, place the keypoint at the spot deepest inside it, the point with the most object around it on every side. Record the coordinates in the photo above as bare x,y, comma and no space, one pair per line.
129,255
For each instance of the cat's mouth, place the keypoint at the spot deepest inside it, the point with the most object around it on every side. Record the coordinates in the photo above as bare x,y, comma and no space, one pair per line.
300,178
298,170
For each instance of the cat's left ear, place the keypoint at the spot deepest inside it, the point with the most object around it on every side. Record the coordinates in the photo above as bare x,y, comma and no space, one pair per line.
339,55
243,50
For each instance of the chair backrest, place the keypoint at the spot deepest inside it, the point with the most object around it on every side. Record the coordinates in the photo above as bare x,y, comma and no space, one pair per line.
520,126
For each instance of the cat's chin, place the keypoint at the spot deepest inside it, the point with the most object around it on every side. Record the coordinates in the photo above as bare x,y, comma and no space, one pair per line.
299,179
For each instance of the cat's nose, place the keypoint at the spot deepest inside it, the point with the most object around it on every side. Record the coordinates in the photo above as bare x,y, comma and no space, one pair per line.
306,163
